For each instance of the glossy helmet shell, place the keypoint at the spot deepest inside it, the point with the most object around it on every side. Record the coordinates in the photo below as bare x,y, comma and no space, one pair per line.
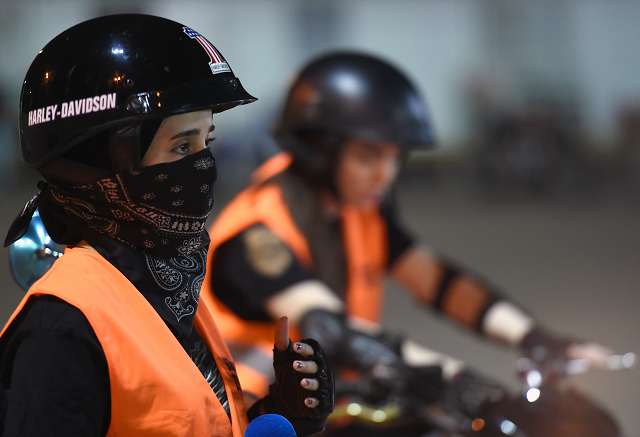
111,73
351,95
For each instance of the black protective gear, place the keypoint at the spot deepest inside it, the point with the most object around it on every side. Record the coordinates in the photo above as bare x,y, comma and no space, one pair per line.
286,395
93,85
348,95
347,346
377,359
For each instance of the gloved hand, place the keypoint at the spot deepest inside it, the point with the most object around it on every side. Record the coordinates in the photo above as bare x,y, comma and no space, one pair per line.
377,359
304,388
551,352
548,352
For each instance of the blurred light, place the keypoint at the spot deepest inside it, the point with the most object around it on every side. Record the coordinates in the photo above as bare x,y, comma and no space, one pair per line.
117,50
580,365
477,424
354,409
379,416
507,427
628,360
617,362
533,394
534,378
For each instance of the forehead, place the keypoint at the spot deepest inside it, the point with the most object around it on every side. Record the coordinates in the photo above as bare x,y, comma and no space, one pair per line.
179,122
371,147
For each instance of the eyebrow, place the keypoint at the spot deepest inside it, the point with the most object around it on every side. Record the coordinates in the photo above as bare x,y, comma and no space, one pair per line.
190,132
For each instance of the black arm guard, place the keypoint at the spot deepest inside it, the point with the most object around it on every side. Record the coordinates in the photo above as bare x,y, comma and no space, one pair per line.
286,396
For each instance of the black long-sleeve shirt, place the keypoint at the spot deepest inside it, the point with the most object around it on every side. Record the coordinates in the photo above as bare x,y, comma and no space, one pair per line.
59,379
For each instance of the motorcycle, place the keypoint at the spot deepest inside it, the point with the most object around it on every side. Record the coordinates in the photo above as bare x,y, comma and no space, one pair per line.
471,406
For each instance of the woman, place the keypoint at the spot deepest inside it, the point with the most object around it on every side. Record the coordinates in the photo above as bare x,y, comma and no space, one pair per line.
116,114
315,235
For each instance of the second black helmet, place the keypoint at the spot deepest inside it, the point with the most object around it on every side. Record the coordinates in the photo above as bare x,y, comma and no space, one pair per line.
352,95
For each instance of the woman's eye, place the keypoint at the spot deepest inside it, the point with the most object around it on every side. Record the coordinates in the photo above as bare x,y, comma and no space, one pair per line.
182,148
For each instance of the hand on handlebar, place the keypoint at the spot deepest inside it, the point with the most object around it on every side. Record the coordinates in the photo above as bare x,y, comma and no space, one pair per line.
584,356
557,356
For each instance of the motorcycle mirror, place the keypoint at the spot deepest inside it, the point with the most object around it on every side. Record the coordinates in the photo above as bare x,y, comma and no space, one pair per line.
33,255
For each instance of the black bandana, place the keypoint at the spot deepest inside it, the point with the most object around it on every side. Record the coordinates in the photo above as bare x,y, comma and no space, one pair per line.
149,223
160,210
170,284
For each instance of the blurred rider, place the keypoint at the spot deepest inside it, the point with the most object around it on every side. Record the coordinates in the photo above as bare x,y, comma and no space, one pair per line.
315,235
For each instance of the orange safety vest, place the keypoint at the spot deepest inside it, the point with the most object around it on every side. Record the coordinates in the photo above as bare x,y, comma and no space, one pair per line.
365,243
156,389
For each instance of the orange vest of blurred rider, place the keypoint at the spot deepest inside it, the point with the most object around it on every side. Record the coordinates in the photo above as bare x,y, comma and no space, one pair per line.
156,389
365,245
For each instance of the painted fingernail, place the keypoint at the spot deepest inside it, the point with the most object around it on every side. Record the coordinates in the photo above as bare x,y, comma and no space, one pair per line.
298,365
310,402
298,346
307,383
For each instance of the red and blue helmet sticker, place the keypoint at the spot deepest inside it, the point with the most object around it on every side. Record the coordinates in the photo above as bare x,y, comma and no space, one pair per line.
217,64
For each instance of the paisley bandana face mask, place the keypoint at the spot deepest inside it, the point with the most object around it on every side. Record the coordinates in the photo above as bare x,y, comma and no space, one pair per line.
160,209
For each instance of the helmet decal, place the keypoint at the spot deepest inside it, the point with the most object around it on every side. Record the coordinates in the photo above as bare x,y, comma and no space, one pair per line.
217,64
72,108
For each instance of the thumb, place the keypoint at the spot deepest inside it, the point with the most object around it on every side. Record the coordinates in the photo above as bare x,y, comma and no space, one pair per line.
282,334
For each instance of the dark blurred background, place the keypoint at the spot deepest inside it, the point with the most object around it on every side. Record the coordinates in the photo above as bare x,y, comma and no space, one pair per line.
536,109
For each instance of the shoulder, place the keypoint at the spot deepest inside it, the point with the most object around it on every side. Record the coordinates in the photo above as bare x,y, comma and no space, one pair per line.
262,250
43,321
48,312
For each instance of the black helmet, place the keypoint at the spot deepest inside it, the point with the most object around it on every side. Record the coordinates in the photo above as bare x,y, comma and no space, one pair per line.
104,77
350,95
